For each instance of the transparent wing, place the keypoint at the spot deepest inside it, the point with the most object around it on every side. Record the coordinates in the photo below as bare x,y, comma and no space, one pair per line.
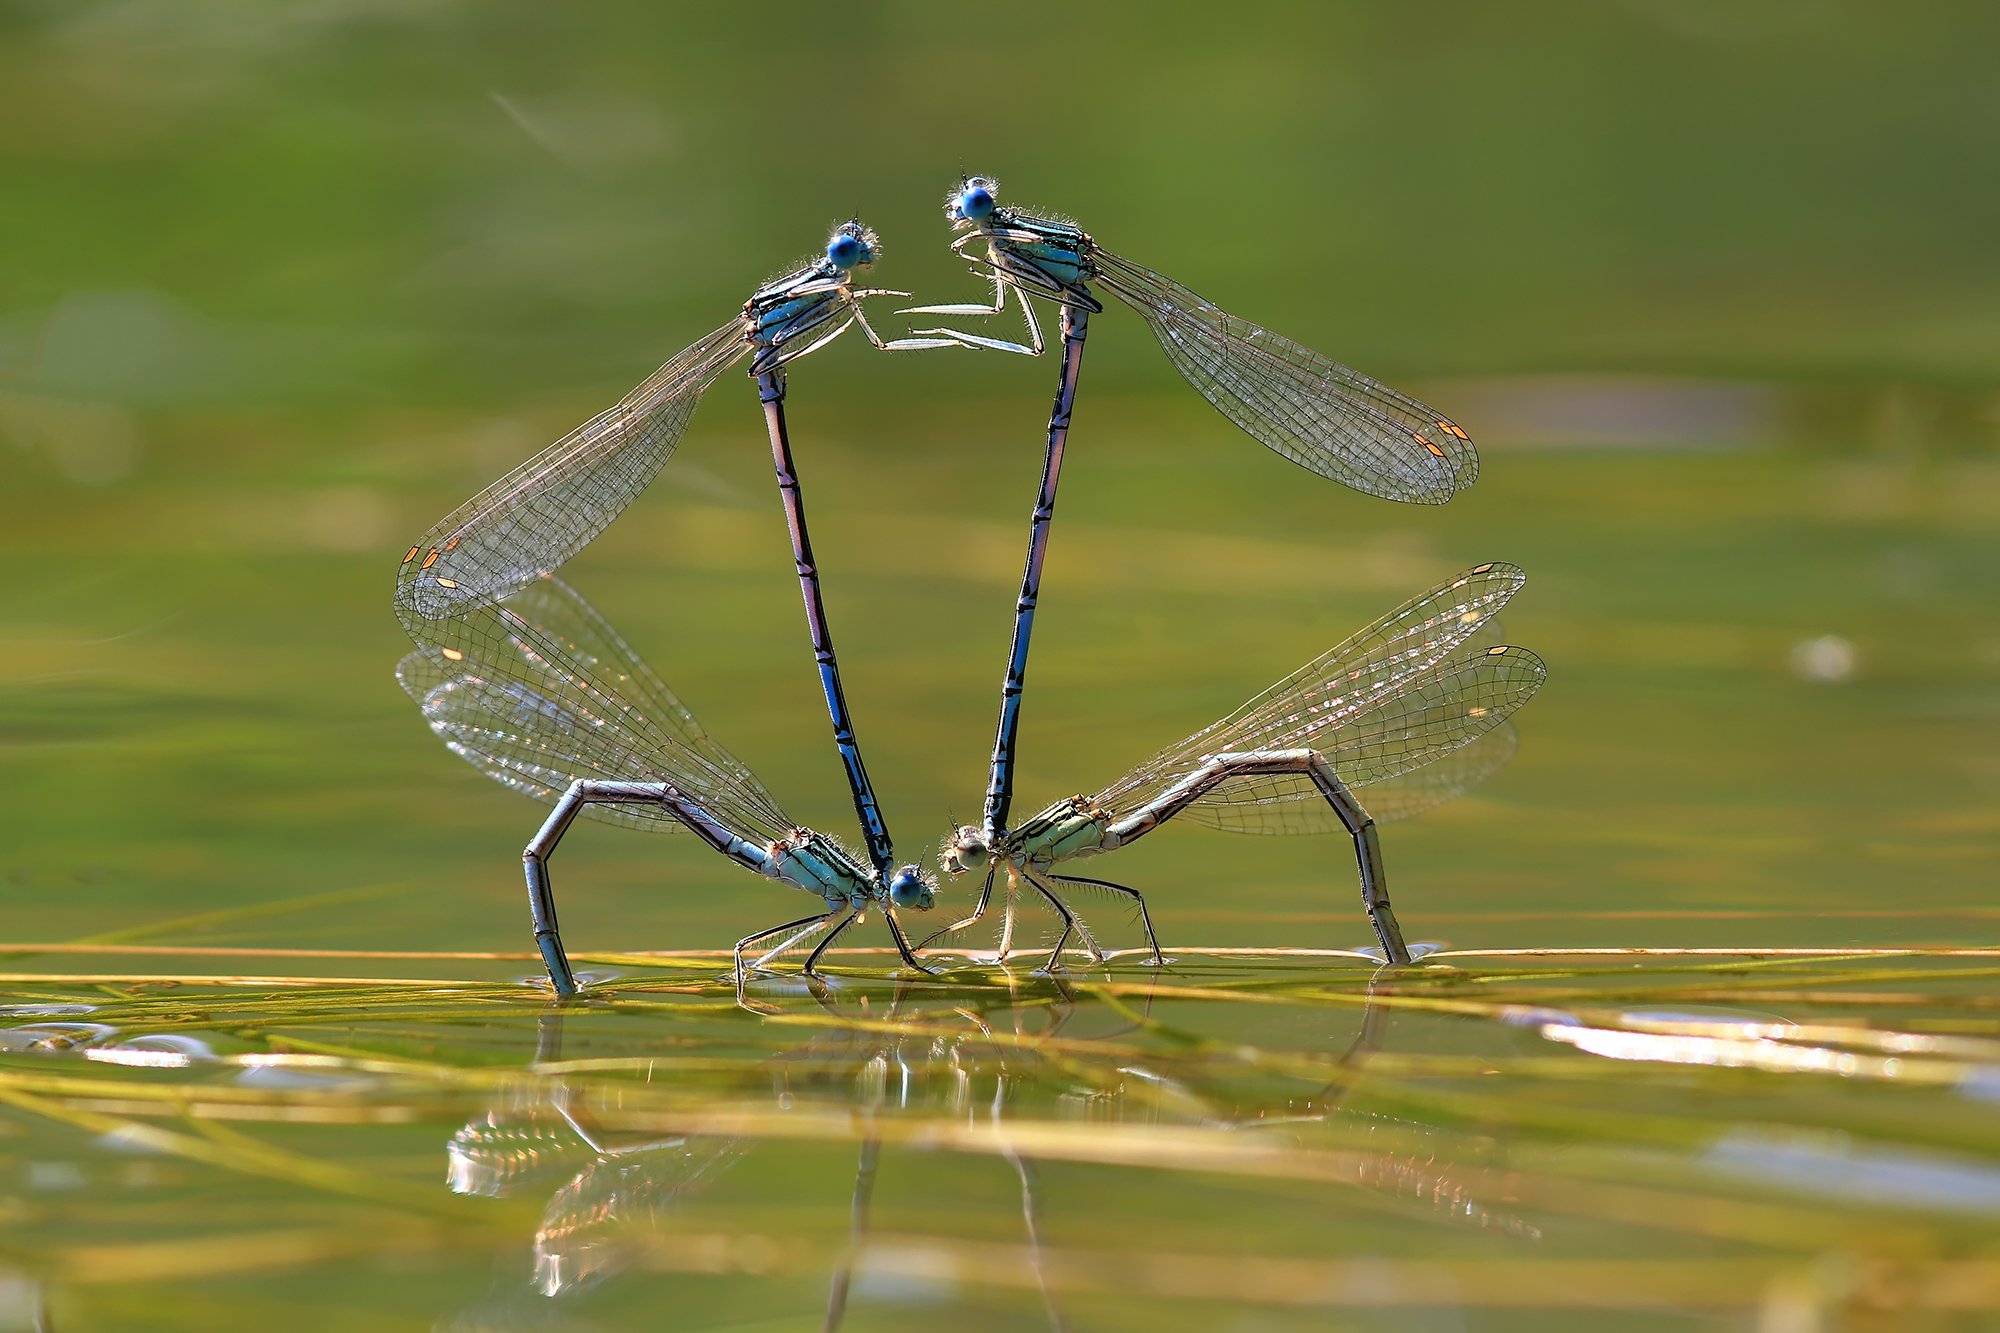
1341,685
1294,805
1318,413
597,1224
481,723
1452,705
536,517
1433,715
537,691
1443,779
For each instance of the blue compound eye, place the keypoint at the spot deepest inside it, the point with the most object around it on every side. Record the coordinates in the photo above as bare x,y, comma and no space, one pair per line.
975,204
847,250
908,889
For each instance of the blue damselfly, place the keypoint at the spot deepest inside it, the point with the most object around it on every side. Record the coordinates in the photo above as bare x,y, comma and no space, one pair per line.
1414,707
534,519
1323,416
537,692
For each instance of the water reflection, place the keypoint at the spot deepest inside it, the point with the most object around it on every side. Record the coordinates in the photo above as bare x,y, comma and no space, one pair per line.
1279,1137
1000,1069
57,1036
23,1308
616,1182
1751,1040
1839,1167
620,1185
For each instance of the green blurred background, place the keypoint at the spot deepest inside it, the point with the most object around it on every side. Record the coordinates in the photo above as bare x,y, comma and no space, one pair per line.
1713,285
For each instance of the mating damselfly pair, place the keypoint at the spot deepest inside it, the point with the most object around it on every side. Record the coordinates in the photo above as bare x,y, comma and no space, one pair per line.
522,678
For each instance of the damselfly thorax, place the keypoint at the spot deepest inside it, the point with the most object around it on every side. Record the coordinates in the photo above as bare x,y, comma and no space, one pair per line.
801,312
1045,256
816,863
1074,826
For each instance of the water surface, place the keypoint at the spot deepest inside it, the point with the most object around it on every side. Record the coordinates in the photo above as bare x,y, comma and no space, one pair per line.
1715,293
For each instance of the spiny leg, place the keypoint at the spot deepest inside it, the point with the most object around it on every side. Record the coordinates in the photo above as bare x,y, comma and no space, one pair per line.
801,928
1001,288
978,910
1007,910
918,344
1249,763
1083,930
999,305
1145,917
902,940
1070,924
812,959
805,925
959,338
899,344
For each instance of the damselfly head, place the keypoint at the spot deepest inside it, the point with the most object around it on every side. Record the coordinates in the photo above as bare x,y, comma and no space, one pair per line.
973,201
909,890
853,246
967,849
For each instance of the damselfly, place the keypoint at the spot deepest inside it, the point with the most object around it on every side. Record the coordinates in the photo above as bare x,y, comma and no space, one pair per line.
537,692
1323,416
535,518
1414,707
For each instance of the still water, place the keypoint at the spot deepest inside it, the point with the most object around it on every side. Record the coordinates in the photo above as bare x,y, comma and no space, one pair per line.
1714,293
1253,1143
217,1115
